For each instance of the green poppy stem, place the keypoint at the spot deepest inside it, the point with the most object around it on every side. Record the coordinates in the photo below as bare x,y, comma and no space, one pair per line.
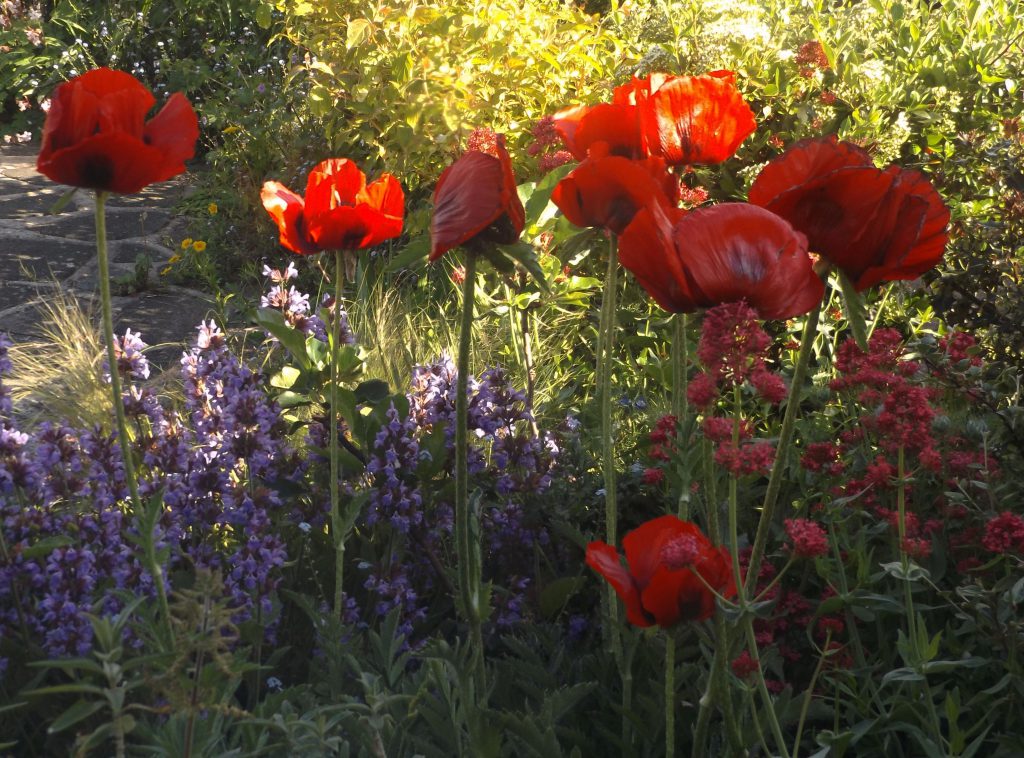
854,305
670,694
469,567
337,522
149,556
680,359
771,495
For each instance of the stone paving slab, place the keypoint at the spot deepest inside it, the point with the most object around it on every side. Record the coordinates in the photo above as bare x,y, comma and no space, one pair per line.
40,253
122,223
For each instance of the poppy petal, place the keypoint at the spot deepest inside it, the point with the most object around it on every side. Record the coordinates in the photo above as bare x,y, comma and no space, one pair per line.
331,183
647,250
696,119
386,195
803,161
286,208
738,251
617,125
676,595
605,560
114,162
607,193
643,545
174,131
469,197
566,122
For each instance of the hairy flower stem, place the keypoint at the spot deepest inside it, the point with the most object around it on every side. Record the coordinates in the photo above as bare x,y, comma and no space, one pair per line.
149,556
680,358
469,569
854,305
913,630
809,694
771,495
670,694
741,591
337,522
605,362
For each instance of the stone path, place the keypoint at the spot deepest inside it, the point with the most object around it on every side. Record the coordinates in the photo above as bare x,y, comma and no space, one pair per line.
40,252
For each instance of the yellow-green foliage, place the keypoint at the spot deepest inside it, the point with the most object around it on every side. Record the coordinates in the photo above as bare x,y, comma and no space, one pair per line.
403,82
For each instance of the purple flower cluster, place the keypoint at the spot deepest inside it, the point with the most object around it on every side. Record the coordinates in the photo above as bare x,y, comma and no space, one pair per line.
67,541
294,306
506,460
131,363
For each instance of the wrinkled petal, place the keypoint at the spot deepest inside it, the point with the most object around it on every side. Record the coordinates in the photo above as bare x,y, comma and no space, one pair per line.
695,119
804,160
332,183
476,200
566,122
643,546
737,251
286,208
605,560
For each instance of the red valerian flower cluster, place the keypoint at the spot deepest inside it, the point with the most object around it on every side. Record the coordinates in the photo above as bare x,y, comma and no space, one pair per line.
96,135
808,538
475,200
340,210
875,225
671,565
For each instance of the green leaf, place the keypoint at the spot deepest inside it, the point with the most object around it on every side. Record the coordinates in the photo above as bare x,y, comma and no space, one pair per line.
556,594
264,15
285,378
413,255
83,709
293,340
372,391
537,199
359,31
524,254
46,546
63,202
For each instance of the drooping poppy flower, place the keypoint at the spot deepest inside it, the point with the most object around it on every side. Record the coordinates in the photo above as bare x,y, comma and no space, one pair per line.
666,560
606,191
873,224
96,135
476,201
340,210
721,254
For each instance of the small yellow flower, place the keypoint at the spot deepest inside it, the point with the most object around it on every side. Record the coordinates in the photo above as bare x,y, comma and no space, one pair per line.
174,258
199,246
165,271
212,208
186,243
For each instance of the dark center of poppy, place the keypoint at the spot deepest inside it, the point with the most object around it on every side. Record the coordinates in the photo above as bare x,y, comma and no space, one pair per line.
816,214
97,171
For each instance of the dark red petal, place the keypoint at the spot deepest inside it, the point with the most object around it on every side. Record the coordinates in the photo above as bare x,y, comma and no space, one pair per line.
607,193
174,131
514,209
470,195
647,250
333,182
618,125
696,119
644,544
114,162
676,595
286,208
737,251
605,560
917,234
803,162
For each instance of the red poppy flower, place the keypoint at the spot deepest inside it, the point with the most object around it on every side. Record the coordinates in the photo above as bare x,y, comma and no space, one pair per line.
873,224
606,191
667,559
96,134
695,119
340,210
721,254
476,201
